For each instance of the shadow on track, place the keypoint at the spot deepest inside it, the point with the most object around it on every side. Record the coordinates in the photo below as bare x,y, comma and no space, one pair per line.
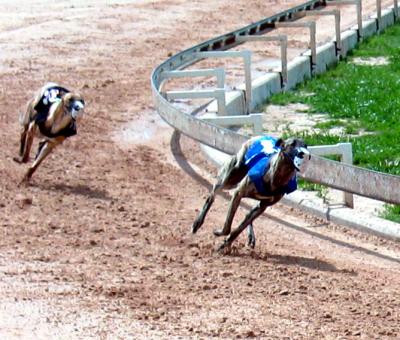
291,260
78,189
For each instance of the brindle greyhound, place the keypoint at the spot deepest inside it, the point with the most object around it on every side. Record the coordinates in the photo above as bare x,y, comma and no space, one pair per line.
279,160
51,114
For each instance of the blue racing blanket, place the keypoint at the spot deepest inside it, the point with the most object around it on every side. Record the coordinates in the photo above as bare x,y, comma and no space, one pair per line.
257,159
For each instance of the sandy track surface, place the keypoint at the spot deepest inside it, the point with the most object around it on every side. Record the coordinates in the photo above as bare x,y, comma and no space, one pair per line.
99,245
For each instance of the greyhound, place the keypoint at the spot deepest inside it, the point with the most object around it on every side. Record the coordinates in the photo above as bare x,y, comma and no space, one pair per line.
51,114
263,169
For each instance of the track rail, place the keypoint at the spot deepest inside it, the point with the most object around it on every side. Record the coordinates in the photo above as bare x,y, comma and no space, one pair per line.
337,175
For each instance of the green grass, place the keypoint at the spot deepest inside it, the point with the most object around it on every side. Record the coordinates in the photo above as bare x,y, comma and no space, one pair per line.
359,98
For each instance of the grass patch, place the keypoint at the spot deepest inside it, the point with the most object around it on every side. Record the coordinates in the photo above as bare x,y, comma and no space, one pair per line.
391,212
359,98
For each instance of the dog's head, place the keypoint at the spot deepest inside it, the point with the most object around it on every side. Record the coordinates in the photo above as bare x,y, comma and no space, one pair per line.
296,149
74,104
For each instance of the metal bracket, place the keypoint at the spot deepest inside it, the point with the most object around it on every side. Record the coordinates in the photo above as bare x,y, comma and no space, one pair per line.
282,39
313,43
246,55
345,150
335,13
218,94
358,9
219,73
255,119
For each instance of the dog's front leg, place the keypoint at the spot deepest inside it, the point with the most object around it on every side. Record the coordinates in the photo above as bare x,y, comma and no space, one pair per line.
22,143
251,236
250,217
233,205
26,141
45,148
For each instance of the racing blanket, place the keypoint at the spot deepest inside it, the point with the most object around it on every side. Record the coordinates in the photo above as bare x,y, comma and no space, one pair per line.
50,96
257,159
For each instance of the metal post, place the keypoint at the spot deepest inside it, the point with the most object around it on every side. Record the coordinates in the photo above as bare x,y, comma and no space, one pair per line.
379,14
283,45
347,158
313,46
284,61
359,19
247,73
396,9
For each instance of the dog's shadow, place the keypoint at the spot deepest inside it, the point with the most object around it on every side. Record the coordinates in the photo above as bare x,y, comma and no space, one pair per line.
290,260
78,189
305,262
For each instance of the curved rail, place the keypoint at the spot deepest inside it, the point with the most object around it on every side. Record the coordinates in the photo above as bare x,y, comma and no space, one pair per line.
355,180
219,138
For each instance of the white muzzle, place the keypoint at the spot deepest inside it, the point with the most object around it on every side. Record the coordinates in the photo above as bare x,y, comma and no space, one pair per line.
77,108
299,158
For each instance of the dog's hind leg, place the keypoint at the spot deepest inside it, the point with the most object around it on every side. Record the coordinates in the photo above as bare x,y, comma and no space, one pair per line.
250,217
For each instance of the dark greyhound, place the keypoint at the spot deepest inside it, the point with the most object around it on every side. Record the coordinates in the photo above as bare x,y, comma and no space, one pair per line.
264,169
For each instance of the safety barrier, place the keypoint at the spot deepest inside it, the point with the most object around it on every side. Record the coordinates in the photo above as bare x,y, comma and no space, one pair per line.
342,176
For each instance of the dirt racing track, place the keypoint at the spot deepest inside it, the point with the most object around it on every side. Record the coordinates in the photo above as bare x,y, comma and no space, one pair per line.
99,244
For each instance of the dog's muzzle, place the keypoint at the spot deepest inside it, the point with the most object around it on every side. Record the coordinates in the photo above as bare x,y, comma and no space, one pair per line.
77,108
299,157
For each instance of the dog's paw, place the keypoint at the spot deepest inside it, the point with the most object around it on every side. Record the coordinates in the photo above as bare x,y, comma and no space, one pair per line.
20,159
17,159
220,232
25,181
224,248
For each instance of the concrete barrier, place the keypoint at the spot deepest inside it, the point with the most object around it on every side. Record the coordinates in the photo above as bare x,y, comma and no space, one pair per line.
349,41
326,57
298,71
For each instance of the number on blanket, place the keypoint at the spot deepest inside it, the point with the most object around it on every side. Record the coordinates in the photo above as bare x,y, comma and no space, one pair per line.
50,96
